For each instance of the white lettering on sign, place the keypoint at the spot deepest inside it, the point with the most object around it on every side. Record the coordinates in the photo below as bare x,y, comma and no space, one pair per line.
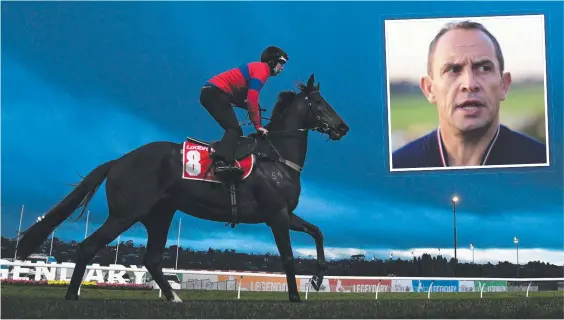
116,276
202,148
370,288
99,277
63,274
444,288
496,289
268,286
139,276
53,273
16,272
193,166
48,272
19,270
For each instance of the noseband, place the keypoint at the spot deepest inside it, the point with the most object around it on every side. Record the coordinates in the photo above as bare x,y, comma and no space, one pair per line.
323,127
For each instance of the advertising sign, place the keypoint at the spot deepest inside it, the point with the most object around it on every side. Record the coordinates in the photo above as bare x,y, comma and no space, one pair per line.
250,282
402,286
323,288
467,286
492,286
359,285
261,283
438,285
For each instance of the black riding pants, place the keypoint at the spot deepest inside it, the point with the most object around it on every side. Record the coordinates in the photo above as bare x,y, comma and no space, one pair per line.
218,105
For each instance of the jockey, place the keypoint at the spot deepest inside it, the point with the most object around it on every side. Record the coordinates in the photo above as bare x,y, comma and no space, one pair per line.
239,87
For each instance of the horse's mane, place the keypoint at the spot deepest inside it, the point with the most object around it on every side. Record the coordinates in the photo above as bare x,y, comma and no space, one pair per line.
285,99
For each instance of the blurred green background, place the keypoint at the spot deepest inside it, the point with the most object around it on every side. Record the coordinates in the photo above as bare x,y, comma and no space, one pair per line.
412,116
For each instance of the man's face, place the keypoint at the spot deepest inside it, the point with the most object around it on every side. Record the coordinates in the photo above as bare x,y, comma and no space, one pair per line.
278,68
465,82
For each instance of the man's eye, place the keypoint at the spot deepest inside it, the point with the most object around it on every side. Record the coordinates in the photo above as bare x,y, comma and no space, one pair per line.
455,69
485,68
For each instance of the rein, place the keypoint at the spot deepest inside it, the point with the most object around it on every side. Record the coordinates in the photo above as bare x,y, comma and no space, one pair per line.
281,159
318,118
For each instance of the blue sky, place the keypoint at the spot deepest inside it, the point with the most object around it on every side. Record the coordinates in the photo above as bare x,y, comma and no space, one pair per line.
83,83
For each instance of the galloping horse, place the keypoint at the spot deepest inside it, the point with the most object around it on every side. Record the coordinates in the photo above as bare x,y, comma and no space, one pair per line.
152,182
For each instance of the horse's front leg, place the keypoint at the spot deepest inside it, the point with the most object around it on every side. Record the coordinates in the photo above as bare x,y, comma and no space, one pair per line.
299,224
280,226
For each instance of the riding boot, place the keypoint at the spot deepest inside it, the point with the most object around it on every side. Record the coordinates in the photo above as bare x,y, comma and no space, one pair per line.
225,162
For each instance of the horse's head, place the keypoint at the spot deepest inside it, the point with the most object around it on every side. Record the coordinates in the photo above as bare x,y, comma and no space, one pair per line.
309,110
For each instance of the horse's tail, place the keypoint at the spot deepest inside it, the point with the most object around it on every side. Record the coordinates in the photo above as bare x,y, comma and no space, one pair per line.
32,237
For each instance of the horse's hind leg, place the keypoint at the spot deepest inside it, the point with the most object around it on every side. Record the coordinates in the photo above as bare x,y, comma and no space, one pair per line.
88,248
299,224
157,224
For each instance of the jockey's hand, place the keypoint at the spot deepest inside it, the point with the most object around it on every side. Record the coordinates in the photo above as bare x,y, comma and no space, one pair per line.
262,131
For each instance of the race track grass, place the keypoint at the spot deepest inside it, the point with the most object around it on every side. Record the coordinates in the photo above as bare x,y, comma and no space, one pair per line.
48,302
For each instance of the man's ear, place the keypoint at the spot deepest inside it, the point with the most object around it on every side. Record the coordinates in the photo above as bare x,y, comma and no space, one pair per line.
426,86
505,83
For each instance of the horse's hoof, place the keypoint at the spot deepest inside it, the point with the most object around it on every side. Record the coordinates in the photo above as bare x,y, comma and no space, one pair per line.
295,297
316,282
176,298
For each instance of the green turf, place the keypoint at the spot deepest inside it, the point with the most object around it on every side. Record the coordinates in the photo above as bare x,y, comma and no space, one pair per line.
48,302
413,110
40,308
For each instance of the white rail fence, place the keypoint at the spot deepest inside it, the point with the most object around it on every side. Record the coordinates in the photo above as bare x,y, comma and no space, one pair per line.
115,273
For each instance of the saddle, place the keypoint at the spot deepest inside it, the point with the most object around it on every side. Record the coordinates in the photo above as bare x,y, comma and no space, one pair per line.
246,147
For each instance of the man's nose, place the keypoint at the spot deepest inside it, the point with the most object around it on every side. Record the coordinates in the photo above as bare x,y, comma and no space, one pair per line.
469,81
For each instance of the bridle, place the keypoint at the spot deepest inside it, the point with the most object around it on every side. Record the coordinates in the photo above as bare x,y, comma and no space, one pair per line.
323,128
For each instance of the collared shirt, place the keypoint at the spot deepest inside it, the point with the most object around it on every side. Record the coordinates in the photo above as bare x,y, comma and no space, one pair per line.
507,147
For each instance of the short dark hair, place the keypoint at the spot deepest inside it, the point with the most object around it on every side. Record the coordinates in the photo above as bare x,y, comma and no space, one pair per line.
466,25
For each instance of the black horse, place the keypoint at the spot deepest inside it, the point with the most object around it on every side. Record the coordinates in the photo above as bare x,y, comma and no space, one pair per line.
145,185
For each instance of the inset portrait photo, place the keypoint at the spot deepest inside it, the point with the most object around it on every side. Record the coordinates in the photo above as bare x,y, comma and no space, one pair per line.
467,93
